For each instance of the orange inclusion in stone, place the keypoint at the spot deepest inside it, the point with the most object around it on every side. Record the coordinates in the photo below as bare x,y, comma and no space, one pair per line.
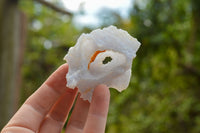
94,57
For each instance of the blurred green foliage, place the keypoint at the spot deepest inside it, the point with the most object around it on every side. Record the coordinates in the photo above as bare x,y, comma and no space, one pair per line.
49,37
163,95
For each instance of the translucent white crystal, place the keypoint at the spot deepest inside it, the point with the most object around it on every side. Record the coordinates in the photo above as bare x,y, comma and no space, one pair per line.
101,57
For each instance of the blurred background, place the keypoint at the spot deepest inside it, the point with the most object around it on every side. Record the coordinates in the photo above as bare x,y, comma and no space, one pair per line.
164,91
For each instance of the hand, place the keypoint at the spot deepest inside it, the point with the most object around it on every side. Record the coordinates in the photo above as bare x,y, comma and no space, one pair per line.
47,109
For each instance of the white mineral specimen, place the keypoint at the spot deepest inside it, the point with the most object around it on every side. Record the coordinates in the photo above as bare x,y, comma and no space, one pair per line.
101,57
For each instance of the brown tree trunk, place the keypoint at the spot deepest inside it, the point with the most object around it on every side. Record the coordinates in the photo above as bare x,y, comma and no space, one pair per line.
10,52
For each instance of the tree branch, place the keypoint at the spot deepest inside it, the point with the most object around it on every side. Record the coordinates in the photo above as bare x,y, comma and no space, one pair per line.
54,7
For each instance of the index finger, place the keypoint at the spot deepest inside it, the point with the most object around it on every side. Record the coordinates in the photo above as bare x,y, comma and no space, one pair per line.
35,108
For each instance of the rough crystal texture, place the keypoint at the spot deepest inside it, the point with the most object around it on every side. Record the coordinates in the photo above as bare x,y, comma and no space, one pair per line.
101,57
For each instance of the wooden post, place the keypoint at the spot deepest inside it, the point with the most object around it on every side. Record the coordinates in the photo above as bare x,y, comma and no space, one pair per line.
10,54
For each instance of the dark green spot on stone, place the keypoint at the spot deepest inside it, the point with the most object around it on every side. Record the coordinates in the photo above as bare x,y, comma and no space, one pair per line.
106,60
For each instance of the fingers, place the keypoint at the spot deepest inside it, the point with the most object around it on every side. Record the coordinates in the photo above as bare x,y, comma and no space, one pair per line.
56,118
98,111
33,111
78,117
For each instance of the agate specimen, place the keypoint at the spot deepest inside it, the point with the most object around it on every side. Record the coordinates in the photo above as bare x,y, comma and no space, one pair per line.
103,56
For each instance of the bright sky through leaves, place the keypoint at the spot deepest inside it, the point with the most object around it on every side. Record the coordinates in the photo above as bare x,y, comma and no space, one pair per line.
91,8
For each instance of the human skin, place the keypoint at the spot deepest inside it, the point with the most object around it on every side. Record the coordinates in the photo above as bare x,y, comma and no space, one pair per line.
46,110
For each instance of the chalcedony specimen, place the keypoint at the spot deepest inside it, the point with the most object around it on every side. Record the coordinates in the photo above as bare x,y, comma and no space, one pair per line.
103,56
